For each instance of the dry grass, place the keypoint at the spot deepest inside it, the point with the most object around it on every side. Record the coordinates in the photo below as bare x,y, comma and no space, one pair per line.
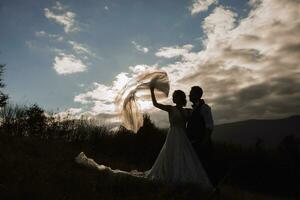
45,169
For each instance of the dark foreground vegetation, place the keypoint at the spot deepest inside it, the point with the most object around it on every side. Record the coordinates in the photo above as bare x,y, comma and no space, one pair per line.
37,154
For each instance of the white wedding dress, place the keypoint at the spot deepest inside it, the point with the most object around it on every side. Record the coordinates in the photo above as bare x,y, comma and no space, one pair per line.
177,161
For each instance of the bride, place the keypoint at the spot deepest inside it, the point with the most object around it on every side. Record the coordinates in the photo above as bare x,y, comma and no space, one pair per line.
177,161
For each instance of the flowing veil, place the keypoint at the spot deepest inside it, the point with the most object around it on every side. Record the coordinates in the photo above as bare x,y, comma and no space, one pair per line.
126,100
130,113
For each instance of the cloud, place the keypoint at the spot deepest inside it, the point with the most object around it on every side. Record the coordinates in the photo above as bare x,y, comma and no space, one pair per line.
201,5
174,51
100,93
278,98
102,97
249,67
68,64
219,22
58,6
69,113
81,48
48,35
139,47
217,26
60,15
74,110
245,71
106,8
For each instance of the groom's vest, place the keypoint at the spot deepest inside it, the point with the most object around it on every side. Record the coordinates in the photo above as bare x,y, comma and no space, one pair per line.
196,125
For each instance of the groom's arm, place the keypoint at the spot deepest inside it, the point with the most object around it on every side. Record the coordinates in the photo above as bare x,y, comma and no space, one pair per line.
209,122
207,115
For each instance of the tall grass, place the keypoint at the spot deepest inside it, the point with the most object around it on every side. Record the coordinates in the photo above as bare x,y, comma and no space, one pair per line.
33,121
275,171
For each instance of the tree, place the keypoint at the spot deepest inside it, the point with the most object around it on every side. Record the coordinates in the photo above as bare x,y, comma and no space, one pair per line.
3,97
36,120
147,122
148,126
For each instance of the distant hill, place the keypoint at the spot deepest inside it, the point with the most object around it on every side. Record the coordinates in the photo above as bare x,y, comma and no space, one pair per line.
247,132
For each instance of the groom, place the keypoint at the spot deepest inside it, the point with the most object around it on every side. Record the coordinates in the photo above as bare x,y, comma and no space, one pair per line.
200,127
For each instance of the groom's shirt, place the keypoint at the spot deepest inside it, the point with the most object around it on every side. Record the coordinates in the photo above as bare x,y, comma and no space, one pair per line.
205,111
201,120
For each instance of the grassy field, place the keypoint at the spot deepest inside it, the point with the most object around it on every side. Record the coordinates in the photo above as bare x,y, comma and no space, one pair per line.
37,154
45,169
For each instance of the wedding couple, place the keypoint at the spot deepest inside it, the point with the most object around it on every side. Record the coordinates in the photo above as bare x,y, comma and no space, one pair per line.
188,135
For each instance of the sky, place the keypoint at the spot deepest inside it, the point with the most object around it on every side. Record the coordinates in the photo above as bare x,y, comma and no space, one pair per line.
75,56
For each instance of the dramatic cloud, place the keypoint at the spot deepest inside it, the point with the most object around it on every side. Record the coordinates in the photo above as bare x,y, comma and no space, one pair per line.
201,5
249,67
63,17
246,70
139,47
68,64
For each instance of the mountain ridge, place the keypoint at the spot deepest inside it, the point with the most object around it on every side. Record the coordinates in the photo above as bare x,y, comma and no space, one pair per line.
270,131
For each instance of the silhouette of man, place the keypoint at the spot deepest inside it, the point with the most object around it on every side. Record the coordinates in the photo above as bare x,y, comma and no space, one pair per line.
200,127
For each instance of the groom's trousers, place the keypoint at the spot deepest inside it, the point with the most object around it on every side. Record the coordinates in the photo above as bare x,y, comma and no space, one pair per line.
205,155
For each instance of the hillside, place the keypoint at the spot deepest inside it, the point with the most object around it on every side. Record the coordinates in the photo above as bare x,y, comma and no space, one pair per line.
271,131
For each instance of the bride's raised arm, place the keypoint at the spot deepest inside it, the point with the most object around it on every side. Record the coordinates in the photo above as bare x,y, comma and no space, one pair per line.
158,105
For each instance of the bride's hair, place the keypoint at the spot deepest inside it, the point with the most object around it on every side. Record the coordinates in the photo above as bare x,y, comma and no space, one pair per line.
179,97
